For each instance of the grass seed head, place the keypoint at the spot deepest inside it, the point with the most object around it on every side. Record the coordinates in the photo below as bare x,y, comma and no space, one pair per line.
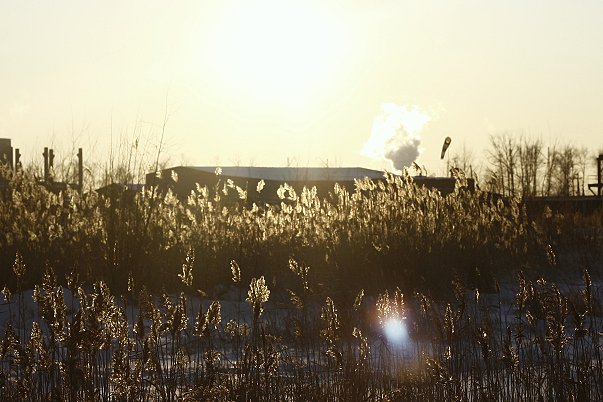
358,300
257,295
236,271
6,293
186,276
19,266
330,318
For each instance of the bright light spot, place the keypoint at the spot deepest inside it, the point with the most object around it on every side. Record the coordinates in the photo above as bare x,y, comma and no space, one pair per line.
395,330
270,49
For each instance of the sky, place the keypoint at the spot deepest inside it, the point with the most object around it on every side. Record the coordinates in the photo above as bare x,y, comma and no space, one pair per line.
300,83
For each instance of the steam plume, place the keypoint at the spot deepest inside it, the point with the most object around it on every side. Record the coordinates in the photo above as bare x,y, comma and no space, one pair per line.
395,135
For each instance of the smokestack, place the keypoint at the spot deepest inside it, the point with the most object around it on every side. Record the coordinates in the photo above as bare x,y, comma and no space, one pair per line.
80,169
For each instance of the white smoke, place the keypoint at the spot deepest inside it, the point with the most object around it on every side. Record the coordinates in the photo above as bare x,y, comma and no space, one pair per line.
395,135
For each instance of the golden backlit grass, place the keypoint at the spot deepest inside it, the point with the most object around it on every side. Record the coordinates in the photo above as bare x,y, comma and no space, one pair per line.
117,283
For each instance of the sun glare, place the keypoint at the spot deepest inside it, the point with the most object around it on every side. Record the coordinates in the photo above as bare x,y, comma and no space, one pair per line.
395,331
274,50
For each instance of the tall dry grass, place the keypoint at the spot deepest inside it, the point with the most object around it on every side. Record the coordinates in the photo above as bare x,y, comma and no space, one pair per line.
128,297
83,341
386,230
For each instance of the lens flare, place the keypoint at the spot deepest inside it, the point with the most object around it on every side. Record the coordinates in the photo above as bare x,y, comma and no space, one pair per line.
395,331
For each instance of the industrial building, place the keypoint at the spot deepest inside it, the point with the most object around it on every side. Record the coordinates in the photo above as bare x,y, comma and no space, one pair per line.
183,179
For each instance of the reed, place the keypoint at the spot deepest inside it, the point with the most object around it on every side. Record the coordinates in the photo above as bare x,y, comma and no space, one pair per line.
391,292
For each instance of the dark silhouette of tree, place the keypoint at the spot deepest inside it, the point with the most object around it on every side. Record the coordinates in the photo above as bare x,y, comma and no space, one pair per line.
524,167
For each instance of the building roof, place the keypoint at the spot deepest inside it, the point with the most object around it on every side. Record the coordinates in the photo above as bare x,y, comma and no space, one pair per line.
120,187
292,174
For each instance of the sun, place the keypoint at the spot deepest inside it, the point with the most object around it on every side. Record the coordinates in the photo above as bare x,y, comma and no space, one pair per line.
275,50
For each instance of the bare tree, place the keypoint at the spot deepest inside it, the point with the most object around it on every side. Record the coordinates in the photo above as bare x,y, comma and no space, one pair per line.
550,167
530,159
571,165
564,172
526,168
581,164
503,157
463,161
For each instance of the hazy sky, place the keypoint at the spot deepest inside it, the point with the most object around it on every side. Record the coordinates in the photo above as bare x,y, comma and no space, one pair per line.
271,81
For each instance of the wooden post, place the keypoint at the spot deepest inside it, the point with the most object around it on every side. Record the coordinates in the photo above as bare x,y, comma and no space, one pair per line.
45,154
51,165
17,160
80,169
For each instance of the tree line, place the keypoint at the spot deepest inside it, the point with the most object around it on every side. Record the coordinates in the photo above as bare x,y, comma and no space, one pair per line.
526,167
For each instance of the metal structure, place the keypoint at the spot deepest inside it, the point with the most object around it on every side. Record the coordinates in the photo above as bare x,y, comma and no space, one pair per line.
49,171
599,184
